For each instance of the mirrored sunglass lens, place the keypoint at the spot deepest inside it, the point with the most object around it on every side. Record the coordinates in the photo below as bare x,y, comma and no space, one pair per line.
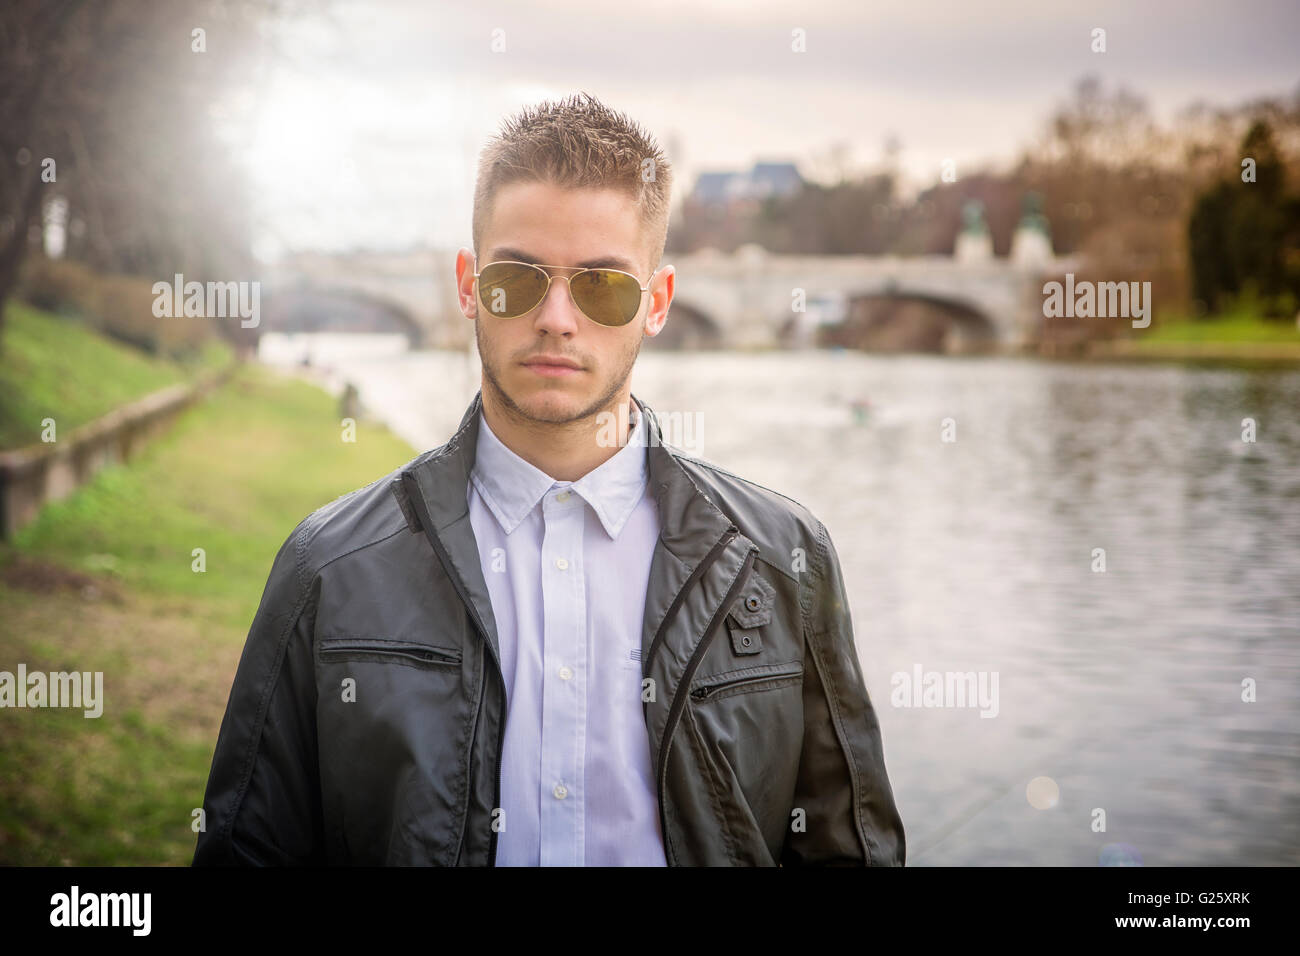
508,289
608,297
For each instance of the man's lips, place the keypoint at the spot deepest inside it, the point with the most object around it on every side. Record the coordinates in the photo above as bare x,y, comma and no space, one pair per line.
548,365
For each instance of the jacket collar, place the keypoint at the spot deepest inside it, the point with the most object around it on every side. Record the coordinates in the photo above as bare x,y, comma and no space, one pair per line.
433,493
511,487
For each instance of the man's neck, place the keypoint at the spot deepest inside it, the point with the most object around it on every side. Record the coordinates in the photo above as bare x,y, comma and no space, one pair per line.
565,451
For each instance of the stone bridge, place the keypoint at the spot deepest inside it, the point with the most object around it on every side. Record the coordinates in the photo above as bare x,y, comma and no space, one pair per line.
749,299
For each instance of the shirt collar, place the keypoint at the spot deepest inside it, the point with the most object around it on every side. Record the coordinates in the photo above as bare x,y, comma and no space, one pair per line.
512,487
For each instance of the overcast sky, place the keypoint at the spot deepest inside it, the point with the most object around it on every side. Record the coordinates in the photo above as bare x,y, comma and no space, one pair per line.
368,136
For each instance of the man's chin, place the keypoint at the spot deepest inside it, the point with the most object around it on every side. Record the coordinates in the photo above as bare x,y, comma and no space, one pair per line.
550,401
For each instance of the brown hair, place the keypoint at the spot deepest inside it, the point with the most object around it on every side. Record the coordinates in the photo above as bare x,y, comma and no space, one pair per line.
577,143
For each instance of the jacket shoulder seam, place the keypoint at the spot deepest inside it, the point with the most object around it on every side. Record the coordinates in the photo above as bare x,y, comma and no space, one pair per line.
360,547
722,471
800,511
314,523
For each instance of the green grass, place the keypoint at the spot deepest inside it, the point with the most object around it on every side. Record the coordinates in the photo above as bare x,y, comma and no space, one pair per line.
233,476
52,367
1233,327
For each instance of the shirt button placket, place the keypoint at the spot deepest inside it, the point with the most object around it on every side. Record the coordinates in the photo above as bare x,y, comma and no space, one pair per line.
564,700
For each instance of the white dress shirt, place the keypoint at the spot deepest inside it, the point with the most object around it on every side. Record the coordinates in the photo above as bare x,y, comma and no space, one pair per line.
567,564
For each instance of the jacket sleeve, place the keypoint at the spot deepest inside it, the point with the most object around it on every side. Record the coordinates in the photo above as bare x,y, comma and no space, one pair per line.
262,803
850,816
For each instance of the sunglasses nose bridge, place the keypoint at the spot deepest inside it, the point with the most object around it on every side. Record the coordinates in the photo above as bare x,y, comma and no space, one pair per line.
569,289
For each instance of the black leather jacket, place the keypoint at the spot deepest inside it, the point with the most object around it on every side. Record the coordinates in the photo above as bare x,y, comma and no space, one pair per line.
765,745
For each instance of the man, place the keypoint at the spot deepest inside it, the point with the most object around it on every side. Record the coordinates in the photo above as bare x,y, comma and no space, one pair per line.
555,640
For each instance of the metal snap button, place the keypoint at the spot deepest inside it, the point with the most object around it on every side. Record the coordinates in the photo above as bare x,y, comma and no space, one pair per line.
751,603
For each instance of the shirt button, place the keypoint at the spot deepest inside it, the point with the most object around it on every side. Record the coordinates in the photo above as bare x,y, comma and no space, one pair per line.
562,496
560,791
561,563
566,672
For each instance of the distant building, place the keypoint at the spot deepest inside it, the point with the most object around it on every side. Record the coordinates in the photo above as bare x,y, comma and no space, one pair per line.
712,188
760,182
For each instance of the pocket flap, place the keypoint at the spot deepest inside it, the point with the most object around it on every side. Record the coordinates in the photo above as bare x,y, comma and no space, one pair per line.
753,607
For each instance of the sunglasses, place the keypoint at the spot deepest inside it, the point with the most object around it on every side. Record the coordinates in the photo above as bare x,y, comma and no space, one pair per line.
606,296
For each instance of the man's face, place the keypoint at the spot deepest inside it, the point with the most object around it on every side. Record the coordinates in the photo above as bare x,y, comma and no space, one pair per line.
543,223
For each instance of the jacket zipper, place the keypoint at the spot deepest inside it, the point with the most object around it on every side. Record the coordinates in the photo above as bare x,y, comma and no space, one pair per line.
700,693
695,575
679,698
422,512
473,732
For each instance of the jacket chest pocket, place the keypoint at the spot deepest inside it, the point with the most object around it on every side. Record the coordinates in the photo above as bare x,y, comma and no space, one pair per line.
386,651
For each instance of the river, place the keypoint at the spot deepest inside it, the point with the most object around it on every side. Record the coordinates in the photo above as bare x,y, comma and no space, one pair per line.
1159,697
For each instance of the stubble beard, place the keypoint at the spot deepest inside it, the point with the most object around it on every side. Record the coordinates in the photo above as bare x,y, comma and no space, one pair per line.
521,416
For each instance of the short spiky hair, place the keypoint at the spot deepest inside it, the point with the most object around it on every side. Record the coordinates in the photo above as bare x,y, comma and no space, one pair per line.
577,143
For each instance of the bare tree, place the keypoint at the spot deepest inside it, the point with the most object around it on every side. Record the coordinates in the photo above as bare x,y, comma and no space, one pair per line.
106,104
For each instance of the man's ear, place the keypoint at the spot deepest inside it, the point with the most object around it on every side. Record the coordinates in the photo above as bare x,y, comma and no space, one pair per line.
466,264
667,277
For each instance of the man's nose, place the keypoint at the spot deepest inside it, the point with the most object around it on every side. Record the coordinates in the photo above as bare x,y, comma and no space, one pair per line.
557,314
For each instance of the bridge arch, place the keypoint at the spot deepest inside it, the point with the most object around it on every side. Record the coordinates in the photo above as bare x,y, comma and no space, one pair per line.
318,307
900,319
688,327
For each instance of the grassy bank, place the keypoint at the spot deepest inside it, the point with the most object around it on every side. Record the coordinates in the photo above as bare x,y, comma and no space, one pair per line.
1239,336
1240,327
58,368
103,581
